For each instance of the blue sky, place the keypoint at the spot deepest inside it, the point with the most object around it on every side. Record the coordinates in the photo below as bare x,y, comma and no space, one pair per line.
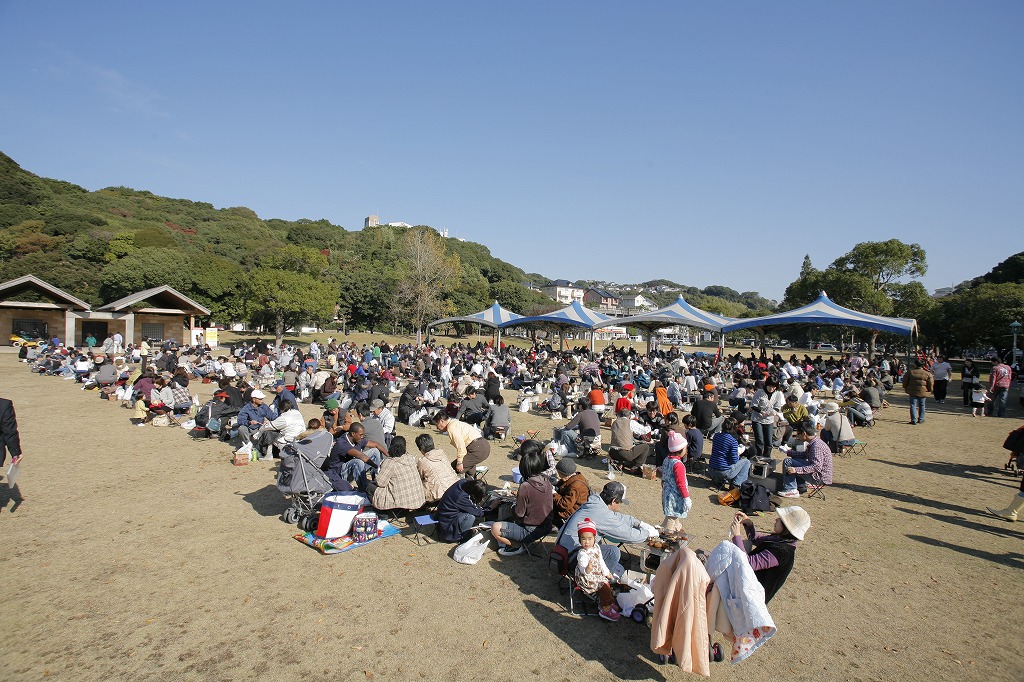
707,143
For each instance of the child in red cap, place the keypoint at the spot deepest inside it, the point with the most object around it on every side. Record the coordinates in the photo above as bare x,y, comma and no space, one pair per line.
592,574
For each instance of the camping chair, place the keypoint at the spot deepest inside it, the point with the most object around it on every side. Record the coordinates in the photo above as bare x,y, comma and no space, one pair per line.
537,537
424,527
859,447
816,489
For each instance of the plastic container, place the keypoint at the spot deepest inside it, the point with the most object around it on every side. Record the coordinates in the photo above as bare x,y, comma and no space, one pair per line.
517,477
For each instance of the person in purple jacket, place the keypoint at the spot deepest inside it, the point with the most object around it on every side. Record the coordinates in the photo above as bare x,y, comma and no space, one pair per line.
771,555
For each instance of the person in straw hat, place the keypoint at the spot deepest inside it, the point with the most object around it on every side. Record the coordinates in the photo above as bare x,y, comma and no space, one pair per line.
771,555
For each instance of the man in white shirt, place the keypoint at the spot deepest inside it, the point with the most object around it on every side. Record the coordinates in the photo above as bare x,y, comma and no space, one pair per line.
384,416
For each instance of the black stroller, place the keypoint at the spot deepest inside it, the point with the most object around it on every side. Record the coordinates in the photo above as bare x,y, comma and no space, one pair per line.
301,477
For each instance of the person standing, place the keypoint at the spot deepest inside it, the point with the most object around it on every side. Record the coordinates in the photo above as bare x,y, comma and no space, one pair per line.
144,351
918,384
970,379
999,388
940,378
10,440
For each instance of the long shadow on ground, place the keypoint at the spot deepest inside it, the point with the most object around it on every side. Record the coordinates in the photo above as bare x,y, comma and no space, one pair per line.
1011,559
623,648
990,474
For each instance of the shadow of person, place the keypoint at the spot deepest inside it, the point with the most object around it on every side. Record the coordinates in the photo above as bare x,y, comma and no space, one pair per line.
980,472
267,501
998,527
625,653
10,494
1013,559
908,498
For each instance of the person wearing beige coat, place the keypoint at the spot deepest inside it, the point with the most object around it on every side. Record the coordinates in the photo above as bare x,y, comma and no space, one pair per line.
680,622
434,467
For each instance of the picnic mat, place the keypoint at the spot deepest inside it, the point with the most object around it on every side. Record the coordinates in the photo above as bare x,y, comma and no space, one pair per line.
344,543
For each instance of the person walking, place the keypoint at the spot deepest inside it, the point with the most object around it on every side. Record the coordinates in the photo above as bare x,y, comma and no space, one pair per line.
970,379
918,383
941,370
999,388
10,439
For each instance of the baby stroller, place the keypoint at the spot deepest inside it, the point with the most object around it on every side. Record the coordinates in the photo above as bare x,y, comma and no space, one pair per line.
301,477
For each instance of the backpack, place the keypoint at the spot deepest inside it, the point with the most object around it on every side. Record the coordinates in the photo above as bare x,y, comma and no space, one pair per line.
754,497
1015,441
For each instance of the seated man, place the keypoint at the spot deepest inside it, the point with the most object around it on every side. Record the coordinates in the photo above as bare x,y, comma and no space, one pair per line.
283,396
473,409
816,462
250,419
622,449
725,461
837,432
587,420
460,509
280,431
709,417
793,413
572,491
434,468
397,484
352,457
612,526
384,416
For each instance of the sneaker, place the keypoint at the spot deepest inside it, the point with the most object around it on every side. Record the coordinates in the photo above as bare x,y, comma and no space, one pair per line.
511,551
789,493
244,450
266,458
141,424
609,614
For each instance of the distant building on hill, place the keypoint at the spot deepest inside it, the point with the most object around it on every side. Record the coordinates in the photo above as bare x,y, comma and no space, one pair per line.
605,300
371,221
563,291
637,301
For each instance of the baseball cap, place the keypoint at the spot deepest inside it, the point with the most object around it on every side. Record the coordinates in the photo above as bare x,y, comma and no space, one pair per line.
614,491
258,394
376,404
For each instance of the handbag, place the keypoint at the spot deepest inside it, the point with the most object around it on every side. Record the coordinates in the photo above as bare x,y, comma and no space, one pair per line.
729,498
472,550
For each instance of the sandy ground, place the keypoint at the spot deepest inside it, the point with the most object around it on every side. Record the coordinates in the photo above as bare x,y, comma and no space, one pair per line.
138,554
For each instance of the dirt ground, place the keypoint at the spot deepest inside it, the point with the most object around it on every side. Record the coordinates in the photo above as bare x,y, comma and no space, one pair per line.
138,554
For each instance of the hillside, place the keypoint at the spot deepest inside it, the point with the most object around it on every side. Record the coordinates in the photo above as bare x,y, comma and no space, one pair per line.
105,244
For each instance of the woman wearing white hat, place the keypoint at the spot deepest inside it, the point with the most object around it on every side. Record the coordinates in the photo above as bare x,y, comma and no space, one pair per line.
771,555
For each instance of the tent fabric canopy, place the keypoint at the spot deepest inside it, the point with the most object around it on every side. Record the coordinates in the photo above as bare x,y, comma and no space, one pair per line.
495,316
678,313
573,315
825,311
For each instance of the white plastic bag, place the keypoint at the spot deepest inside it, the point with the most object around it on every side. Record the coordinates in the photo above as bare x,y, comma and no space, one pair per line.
472,550
415,417
525,405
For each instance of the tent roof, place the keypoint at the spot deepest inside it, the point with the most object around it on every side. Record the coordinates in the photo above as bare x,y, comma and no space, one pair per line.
573,315
495,316
679,313
825,311
32,283
163,294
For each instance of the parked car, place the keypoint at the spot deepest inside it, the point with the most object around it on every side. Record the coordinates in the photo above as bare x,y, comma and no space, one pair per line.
826,346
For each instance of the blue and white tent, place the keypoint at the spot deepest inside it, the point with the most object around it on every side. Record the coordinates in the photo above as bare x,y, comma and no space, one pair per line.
572,315
495,316
825,311
679,313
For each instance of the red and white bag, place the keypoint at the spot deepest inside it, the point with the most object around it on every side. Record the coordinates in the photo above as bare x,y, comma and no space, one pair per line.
337,512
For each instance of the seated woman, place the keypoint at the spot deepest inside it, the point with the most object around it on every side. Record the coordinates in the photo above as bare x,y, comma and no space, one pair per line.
725,459
434,468
460,509
161,398
397,484
498,419
771,555
533,507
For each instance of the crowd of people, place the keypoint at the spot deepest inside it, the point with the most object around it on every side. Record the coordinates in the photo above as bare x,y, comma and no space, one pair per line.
659,409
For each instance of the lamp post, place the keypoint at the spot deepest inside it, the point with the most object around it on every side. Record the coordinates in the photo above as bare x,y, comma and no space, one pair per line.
1015,328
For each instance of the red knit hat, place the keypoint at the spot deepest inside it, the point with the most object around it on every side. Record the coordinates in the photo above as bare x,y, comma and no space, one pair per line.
587,526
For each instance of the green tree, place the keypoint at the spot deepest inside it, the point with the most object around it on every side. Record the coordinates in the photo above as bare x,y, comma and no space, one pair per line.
977,317
282,298
146,268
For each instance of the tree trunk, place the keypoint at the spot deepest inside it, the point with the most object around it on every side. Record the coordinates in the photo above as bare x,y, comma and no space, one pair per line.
279,329
871,345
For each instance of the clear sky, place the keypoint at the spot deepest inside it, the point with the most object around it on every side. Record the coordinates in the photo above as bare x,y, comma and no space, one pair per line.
707,143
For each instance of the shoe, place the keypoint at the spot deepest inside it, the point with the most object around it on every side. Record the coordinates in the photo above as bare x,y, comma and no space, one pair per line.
510,551
141,424
789,493
1012,512
266,458
609,614
913,423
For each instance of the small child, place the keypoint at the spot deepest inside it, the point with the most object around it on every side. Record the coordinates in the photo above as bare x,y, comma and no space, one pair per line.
592,574
675,495
978,398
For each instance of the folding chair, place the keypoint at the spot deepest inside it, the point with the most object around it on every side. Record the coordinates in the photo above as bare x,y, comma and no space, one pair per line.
859,447
815,489
424,525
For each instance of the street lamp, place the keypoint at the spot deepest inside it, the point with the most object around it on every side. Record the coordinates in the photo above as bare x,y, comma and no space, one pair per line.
1015,328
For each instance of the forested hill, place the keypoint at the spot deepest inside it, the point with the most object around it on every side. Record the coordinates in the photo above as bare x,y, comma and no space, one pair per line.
106,244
